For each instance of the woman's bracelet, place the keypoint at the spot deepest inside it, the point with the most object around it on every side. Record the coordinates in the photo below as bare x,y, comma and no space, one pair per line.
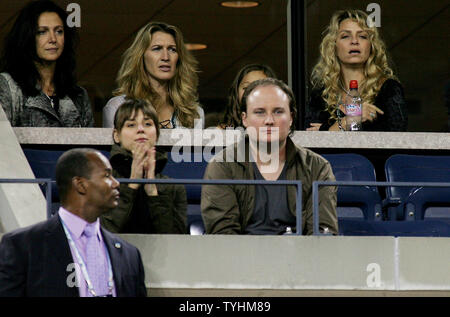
340,115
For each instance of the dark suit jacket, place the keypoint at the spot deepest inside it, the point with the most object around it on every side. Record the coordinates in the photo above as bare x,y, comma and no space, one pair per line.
34,261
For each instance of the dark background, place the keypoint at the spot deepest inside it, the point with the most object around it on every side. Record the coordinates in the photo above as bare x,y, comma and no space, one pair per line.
415,31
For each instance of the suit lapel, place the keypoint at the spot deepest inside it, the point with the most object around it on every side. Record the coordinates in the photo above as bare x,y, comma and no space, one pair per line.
115,254
58,246
57,241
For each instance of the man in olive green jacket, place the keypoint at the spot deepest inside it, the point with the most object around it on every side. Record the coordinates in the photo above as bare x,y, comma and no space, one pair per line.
229,209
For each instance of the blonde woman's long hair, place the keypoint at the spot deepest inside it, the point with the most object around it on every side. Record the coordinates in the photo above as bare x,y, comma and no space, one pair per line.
326,73
134,82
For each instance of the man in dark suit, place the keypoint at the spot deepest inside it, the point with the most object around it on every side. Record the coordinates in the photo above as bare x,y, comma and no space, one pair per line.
70,254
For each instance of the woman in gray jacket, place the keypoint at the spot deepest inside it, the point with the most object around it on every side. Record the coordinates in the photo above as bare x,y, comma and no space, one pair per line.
37,80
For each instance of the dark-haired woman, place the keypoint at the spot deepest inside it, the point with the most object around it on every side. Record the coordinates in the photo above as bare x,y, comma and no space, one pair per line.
148,208
246,75
37,80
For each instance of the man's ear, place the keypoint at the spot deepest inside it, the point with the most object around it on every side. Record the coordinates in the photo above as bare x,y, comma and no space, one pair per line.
80,185
244,119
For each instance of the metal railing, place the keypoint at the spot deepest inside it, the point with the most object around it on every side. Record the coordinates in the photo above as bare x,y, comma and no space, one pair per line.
298,184
316,184
48,188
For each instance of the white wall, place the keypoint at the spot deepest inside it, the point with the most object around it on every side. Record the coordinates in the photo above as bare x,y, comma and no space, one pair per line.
178,265
20,204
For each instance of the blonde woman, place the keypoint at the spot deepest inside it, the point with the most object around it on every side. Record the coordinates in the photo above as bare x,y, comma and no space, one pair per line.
351,50
160,70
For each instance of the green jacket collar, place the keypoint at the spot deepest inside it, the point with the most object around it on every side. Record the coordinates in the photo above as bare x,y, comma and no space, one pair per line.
291,151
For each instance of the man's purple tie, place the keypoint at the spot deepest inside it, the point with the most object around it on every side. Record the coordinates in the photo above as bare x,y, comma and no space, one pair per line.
95,262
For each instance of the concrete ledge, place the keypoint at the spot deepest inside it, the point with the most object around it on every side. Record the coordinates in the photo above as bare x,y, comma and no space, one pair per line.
240,266
219,265
217,137
167,292
20,204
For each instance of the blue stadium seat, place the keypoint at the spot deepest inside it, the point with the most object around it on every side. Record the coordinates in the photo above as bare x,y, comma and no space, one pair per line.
43,164
418,203
431,228
193,169
362,202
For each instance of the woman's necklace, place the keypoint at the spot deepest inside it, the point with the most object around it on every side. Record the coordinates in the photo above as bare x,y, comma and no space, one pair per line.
51,101
165,124
343,89
51,92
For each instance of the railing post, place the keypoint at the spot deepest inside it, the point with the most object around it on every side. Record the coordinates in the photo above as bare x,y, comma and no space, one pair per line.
299,209
315,195
48,197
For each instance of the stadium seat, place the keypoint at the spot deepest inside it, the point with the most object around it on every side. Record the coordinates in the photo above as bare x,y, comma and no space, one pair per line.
418,203
431,228
43,164
192,169
362,202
